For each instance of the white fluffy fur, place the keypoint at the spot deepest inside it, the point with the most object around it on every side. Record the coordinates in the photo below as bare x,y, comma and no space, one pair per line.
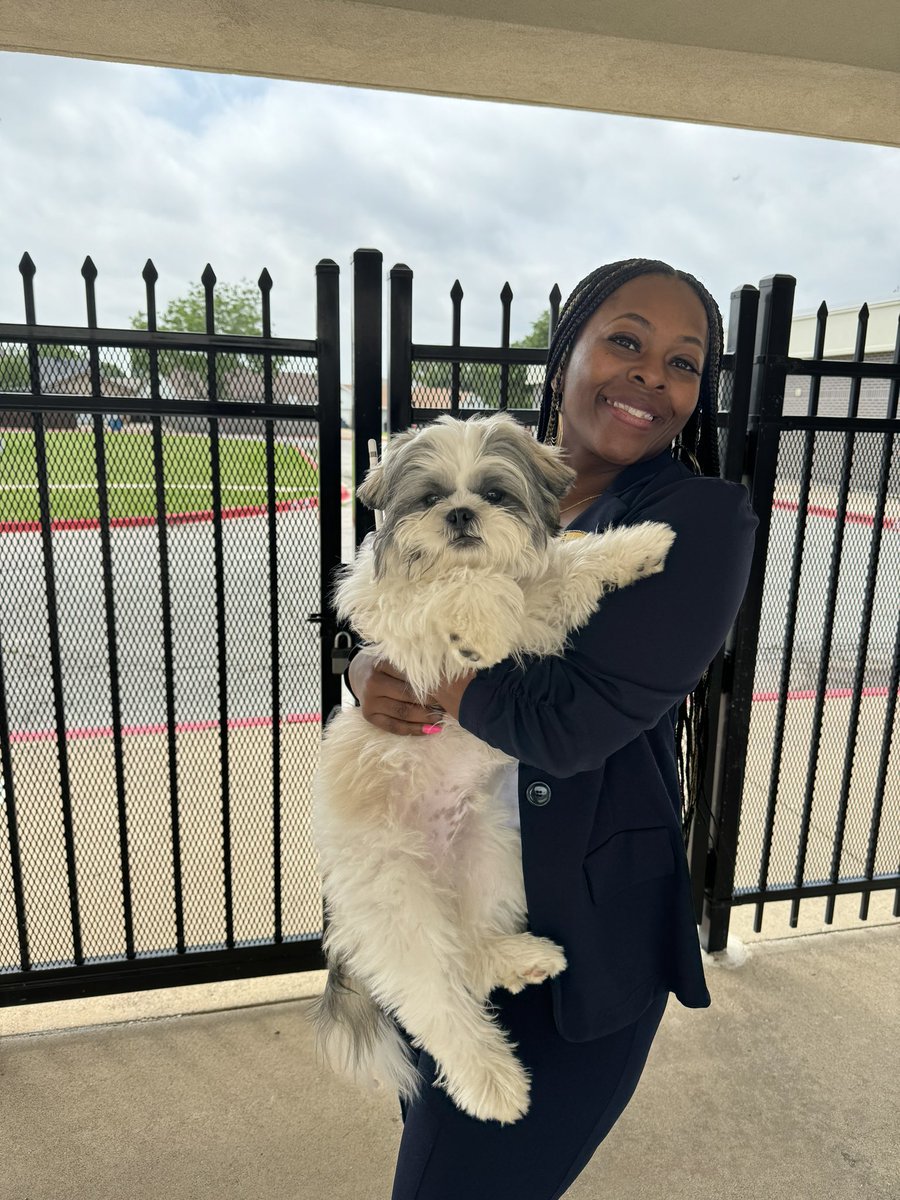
422,876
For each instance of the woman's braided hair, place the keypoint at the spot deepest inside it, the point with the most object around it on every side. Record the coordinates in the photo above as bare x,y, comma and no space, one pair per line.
697,446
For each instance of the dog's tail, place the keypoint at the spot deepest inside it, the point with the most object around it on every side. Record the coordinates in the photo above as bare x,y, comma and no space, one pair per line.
357,1038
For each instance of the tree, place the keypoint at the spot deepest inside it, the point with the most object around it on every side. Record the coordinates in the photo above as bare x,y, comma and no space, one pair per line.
525,380
56,363
479,383
237,310
14,373
539,337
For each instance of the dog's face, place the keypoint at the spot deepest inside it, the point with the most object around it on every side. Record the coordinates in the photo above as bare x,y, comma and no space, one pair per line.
480,492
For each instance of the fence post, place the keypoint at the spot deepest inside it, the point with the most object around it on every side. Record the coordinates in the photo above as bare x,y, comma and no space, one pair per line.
329,373
766,399
400,348
366,350
741,337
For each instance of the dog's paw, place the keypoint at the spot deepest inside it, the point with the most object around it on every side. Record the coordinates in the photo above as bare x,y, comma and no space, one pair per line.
652,542
496,1089
632,552
534,960
469,653
478,648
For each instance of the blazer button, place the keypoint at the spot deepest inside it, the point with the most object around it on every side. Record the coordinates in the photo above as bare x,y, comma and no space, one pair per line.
538,793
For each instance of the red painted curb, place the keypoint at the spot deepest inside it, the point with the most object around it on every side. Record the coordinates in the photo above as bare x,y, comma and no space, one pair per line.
830,694
186,518
305,718
851,518
106,731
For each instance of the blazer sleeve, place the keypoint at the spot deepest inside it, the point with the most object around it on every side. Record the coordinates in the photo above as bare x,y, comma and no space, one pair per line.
641,653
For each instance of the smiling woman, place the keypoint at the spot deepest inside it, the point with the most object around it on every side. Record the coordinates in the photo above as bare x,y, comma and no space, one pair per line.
607,738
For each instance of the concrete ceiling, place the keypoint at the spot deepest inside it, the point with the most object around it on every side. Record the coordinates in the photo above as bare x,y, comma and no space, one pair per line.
793,66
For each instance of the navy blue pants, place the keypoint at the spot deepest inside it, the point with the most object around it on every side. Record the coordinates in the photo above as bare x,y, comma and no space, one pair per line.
578,1092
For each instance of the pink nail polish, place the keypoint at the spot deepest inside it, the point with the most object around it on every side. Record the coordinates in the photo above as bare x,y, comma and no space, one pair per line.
431,728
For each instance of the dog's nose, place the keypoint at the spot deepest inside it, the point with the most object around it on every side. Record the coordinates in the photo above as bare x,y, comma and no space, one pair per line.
460,518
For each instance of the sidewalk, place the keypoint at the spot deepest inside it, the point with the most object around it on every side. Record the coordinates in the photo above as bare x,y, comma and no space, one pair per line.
786,1088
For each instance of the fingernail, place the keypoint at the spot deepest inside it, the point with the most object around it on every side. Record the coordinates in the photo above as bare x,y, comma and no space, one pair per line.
431,728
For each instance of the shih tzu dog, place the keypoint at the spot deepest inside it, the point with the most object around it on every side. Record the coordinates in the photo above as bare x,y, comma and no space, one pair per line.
421,872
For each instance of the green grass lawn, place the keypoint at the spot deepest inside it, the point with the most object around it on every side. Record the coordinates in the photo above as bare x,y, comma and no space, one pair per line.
72,472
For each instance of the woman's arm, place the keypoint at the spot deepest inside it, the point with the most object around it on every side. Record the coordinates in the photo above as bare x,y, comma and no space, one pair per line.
640,654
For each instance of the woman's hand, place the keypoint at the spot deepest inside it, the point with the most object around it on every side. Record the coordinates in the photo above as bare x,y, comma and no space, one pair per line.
448,696
387,701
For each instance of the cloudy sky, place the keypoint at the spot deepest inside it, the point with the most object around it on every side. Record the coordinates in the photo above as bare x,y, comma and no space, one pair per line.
125,162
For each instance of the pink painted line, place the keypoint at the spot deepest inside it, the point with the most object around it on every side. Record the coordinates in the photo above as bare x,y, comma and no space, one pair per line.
830,694
183,518
306,718
851,518
106,731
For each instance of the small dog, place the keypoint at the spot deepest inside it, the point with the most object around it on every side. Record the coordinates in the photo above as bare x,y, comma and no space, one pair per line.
422,876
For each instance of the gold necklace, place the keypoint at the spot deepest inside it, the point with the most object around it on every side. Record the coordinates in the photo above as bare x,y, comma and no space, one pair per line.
577,502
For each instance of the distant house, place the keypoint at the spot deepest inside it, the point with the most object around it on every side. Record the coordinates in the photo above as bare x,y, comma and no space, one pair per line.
288,387
424,396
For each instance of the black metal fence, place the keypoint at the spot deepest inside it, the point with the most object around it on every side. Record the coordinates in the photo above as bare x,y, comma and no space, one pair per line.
805,798
169,526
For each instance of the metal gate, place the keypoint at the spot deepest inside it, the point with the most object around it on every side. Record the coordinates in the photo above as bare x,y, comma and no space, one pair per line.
169,527
803,775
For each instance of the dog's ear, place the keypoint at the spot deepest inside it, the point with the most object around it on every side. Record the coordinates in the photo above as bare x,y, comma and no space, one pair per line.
555,472
545,464
373,490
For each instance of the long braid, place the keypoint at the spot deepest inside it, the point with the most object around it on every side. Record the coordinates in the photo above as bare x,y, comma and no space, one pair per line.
697,446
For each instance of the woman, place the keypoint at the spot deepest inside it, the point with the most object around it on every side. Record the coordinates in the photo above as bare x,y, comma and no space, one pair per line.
630,395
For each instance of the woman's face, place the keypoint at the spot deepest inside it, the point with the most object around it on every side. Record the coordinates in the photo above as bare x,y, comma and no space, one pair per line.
633,375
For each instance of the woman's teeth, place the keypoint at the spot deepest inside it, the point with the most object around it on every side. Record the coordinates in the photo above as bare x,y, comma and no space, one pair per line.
635,412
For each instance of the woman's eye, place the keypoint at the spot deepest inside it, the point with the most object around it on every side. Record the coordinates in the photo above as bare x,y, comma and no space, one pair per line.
494,496
683,364
626,339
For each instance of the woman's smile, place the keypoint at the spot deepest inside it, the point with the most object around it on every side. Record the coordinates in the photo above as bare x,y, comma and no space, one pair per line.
637,415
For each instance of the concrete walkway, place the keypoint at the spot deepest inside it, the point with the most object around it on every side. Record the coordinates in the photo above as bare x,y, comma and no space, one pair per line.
786,1088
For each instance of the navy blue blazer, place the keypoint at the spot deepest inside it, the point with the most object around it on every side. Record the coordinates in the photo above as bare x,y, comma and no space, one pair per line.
605,871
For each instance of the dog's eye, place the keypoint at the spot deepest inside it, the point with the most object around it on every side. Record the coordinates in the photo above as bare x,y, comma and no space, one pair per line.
430,500
494,496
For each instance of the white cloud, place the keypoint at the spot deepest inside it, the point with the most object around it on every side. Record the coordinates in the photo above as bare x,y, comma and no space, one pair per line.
126,162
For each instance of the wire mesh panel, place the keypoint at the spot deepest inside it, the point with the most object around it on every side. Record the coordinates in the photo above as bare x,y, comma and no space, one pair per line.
161,672
825,669
479,385
218,606
425,381
804,781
